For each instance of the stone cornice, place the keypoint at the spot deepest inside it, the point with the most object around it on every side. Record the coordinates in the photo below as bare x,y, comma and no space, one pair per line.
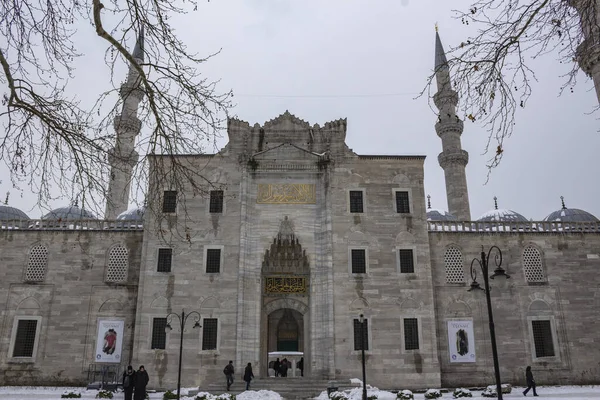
129,124
588,55
444,127
388,157
460,157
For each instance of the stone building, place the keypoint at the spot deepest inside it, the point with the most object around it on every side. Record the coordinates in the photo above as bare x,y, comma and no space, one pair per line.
301,245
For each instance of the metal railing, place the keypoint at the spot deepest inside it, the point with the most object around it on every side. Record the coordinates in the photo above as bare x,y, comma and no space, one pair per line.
514,227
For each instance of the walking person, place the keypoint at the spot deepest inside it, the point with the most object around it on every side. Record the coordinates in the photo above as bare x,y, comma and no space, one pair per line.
128,382
248,375
277,366
530,381
229,371
140,382
301,366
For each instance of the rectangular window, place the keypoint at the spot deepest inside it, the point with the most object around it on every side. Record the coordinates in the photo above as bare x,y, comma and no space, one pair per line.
25,339
361,334
407,263
356,201
542,338
411,334
402,204
169,201
209,334
213,261
359,261
165,258
216,201
159,336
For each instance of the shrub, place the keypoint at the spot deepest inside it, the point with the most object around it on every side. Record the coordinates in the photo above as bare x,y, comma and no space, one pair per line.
372,397
169,395
405,395
104,394
225,396
490,391
70,395
338,396
460,392
433,394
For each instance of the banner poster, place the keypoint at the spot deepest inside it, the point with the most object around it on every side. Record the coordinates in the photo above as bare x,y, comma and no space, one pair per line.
461,341
109,341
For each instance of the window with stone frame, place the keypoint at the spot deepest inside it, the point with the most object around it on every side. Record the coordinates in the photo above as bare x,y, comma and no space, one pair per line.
542,338
169,201
165,260
356,201
25,338
118,264
532,266
361,334
215,205
209,333
213,261
402,202
37,264
411,334
159,335
453,262
359,261
407,263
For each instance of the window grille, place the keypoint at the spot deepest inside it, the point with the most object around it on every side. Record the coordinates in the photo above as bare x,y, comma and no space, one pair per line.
356,201
165,258
359,261
359,338
159,336
453,260
532,265
169,201
25,339
542,338
118,264
402,204
407,264
209,334
216,201
213,261
37,265
411,334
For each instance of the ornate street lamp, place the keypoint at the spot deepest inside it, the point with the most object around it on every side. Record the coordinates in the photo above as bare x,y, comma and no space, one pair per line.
362,321
182,320
499,271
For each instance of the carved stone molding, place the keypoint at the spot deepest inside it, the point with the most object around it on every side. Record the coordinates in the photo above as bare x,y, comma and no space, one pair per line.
460,157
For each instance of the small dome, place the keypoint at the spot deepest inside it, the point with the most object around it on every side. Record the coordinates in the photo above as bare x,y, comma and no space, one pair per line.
571,215
439,215
133,214
71,213
10,213
502,215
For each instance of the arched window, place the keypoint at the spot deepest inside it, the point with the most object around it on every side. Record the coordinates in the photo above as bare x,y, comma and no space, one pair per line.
118,264
453,261
532,265
37,264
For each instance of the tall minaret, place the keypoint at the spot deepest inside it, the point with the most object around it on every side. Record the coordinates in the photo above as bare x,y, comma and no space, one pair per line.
123,156
588,52
453,159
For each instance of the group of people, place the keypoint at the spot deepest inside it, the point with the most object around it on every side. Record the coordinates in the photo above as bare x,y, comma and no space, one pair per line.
281,367
134,383
229,372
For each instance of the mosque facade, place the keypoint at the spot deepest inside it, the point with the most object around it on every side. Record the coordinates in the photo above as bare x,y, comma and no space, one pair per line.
300,247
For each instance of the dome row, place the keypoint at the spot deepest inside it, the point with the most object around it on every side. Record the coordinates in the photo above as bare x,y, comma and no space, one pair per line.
70,213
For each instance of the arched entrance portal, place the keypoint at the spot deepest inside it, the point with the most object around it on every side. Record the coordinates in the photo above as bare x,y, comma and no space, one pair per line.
286,331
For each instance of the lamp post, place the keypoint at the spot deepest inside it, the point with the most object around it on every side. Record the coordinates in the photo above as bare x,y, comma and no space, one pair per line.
362,321
182,320
499,271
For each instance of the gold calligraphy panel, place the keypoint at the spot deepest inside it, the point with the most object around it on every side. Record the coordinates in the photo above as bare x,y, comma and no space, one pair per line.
286,193
285,285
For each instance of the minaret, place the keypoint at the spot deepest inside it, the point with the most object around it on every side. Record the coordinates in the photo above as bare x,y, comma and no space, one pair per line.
453,159
123,156
588,52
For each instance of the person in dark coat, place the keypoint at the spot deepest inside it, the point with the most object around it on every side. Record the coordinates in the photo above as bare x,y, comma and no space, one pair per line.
277,366
283,368
248,375
301,366
530,381
229,371
140,383
128,382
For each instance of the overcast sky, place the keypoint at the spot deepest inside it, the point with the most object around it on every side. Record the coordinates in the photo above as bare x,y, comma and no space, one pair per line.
366,61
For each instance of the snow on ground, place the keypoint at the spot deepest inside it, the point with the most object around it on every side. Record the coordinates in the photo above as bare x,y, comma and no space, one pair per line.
545,393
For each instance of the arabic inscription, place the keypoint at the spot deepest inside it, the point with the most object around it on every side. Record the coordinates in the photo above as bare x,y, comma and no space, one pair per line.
286,193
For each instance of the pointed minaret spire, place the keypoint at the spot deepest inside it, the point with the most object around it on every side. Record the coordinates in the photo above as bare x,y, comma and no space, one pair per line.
127,126
453,159
495,202
428,202
562,200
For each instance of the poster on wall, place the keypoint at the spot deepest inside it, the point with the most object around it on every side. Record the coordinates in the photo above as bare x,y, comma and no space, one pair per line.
109,341
461,341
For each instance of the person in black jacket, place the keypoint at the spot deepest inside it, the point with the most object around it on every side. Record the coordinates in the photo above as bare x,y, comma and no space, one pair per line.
248,375
140,383
128,382
530,381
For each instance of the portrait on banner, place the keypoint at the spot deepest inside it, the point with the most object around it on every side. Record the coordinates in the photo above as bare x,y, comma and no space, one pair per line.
461,341
109,341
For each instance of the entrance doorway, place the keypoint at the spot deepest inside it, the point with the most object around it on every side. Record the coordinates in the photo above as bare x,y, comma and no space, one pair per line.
285,339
